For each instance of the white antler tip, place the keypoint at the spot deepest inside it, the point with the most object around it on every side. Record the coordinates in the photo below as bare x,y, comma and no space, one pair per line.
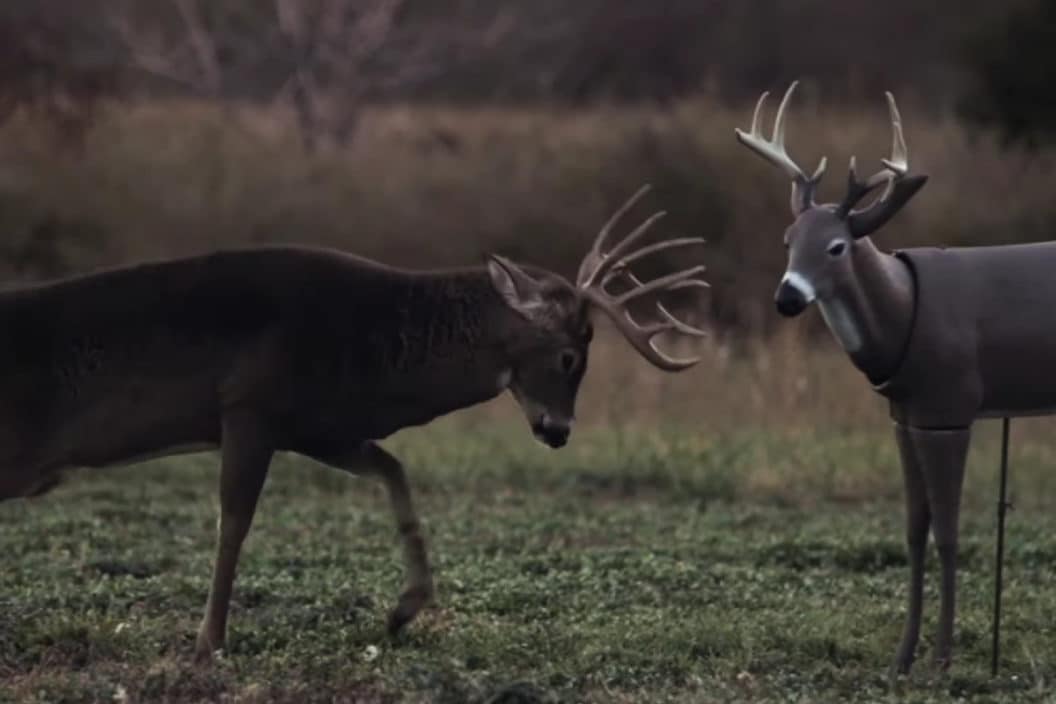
820,171
758,112
892,106
642,190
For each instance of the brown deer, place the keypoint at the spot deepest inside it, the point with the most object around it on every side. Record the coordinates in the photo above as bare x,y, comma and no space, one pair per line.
946,335
304,350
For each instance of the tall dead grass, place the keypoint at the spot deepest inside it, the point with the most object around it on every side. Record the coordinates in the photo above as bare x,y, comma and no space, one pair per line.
426,186
437,186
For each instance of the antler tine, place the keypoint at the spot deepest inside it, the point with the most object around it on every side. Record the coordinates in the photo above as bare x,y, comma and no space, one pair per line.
620,267
664,283
899,161
680,325
688,283
620,212
671,322
894,169
757,114
630,239
773,149
592,263
643,338
778,138
600,268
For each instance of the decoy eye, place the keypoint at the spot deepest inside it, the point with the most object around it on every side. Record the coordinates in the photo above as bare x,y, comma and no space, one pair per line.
836,248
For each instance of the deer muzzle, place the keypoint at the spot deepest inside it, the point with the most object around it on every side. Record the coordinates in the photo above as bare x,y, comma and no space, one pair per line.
793,295
551,431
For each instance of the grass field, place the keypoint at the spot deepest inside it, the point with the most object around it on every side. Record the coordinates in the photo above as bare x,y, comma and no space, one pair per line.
729,534
733,564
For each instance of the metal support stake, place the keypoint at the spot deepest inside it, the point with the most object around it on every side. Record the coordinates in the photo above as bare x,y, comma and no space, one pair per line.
1002,508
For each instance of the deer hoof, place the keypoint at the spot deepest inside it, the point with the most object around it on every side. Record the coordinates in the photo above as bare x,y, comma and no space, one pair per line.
203,656
941,665
903,663
204,651
410,603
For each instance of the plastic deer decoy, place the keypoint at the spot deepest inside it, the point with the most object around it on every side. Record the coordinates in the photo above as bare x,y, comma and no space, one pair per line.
946,335
304,350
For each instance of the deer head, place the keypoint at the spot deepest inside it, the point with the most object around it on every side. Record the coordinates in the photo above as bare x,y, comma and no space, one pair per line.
823,238
548,352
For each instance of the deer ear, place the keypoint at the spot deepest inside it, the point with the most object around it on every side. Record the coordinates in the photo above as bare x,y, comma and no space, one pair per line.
873,218
521,292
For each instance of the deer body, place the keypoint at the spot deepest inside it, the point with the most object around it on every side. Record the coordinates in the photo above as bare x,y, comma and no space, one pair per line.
975,339
946,335
137,359
983,336
297,349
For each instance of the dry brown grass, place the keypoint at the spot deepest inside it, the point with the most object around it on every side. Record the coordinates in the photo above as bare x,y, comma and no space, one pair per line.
430,186
439,186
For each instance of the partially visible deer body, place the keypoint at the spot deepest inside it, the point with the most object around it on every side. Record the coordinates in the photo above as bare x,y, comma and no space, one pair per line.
304,350
947,335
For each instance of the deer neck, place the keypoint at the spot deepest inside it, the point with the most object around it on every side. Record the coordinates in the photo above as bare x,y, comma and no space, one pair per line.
457,339
871,317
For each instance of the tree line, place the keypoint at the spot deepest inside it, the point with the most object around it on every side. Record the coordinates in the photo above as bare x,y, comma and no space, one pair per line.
325,59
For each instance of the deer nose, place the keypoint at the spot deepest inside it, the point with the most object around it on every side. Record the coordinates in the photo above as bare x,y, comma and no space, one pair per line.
790,300
553,432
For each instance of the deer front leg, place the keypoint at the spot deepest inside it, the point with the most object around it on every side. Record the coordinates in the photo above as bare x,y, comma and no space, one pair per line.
941,454
370,458
245,455
918,519
419,588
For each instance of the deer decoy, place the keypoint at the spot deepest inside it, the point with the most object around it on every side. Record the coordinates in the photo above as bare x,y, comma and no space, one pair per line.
305,350
947,335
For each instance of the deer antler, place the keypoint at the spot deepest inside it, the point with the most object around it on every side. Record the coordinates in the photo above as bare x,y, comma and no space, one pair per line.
600,268
894,168
900,186
773,150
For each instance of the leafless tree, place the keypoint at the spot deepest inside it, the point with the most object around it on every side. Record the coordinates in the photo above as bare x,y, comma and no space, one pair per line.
184,53
323,58
52,67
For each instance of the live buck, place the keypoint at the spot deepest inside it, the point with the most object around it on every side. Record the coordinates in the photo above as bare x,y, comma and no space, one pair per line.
947,335
305,350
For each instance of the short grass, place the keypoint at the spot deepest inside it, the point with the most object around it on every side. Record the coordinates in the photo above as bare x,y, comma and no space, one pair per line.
634,565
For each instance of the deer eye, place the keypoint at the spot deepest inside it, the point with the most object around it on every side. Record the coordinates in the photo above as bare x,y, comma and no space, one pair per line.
567,360
836,248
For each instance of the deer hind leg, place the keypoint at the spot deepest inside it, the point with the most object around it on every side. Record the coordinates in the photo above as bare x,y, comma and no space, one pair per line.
245,455
418,590
17,485
941,454
370,459
918,520
27,468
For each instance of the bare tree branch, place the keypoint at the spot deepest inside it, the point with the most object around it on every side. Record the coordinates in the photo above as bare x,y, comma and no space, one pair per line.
326,57
190,60
146,50
202,44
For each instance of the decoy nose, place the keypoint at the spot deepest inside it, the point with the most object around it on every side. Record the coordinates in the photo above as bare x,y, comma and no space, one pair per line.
790,300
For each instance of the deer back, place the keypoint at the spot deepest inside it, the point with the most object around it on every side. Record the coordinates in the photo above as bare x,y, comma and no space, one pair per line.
128,360
983,336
